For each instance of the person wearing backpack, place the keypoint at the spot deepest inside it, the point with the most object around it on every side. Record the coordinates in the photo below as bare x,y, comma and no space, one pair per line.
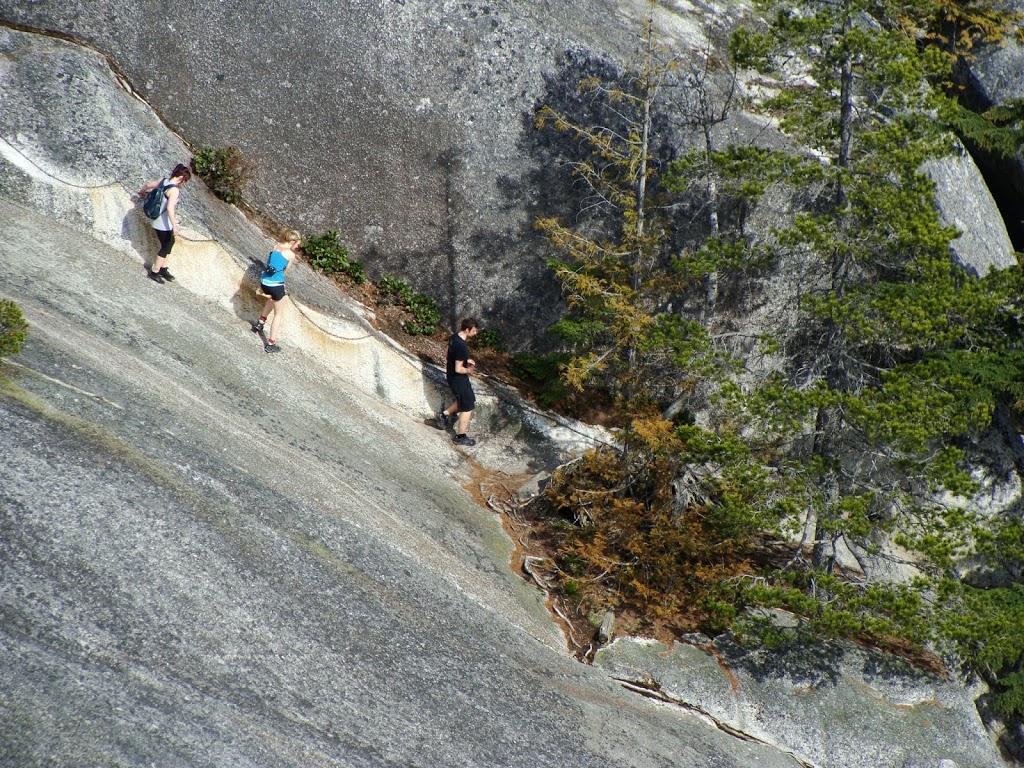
272,281
167,192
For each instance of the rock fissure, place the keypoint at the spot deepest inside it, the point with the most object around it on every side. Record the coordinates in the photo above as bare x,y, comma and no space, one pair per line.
651,690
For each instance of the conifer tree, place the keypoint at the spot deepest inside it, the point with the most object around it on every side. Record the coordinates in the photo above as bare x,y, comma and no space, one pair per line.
615,263
892,359
898,358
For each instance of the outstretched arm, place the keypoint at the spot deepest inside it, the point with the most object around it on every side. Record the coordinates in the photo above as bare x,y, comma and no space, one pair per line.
148,186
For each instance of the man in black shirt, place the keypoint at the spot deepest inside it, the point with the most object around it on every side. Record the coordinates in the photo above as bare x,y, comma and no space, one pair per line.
460,366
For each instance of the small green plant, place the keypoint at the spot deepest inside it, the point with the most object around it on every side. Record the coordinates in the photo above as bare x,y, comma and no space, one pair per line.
394,291
425,314
327,254
225,170
13,328
571,588
490,339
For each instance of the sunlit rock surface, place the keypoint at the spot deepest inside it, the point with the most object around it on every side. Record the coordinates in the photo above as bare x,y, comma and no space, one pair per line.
214,557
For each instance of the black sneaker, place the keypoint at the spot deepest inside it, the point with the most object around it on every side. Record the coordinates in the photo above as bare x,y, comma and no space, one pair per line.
463,440
443,420
166,275
156,277
268,348
257,327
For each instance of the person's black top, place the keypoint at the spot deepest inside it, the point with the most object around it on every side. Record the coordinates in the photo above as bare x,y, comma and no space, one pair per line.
457,350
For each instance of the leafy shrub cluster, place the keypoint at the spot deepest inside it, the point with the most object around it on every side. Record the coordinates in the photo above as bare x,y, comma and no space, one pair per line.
330,256
426,317
490,338
225,170
13,328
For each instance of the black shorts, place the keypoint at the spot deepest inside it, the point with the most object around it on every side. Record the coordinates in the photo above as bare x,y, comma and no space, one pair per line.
276,292
166,238
462,388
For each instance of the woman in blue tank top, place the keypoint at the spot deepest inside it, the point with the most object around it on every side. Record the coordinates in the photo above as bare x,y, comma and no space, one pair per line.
272,282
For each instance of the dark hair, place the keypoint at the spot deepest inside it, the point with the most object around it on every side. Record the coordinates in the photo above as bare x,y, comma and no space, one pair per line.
469,322
181,170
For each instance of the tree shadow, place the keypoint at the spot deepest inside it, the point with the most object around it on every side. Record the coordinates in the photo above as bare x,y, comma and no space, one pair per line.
793,654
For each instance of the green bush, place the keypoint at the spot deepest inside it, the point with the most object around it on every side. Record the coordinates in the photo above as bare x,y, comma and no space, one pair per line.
426,317
225,171
13,328
490,339
327,254
392,290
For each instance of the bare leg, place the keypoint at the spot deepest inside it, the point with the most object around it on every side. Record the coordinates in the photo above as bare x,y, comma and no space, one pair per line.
463,422
268,307
276,306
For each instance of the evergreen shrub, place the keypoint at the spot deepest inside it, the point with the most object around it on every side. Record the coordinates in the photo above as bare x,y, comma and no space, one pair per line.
544,375
490,338
426,317
13,328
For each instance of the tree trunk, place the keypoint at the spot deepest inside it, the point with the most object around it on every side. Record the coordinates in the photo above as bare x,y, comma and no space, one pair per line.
648,94
711,279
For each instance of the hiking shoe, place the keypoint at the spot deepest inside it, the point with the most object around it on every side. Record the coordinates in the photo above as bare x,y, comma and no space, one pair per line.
166,275
257,327
156,277
463,440
443,420
268,348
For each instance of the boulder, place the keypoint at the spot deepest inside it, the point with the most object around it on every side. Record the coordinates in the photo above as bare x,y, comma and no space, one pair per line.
965,202
829,706
996,76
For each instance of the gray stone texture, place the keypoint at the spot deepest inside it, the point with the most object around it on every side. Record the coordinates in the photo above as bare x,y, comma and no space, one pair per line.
213,557
995,76
406,125
965,202
820,704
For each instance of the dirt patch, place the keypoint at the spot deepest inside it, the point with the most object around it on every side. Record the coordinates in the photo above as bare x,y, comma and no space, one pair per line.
532,558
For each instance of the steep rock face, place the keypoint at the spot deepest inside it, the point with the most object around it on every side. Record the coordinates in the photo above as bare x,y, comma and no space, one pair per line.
822,703
214,557
407,125
220,558
397,122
